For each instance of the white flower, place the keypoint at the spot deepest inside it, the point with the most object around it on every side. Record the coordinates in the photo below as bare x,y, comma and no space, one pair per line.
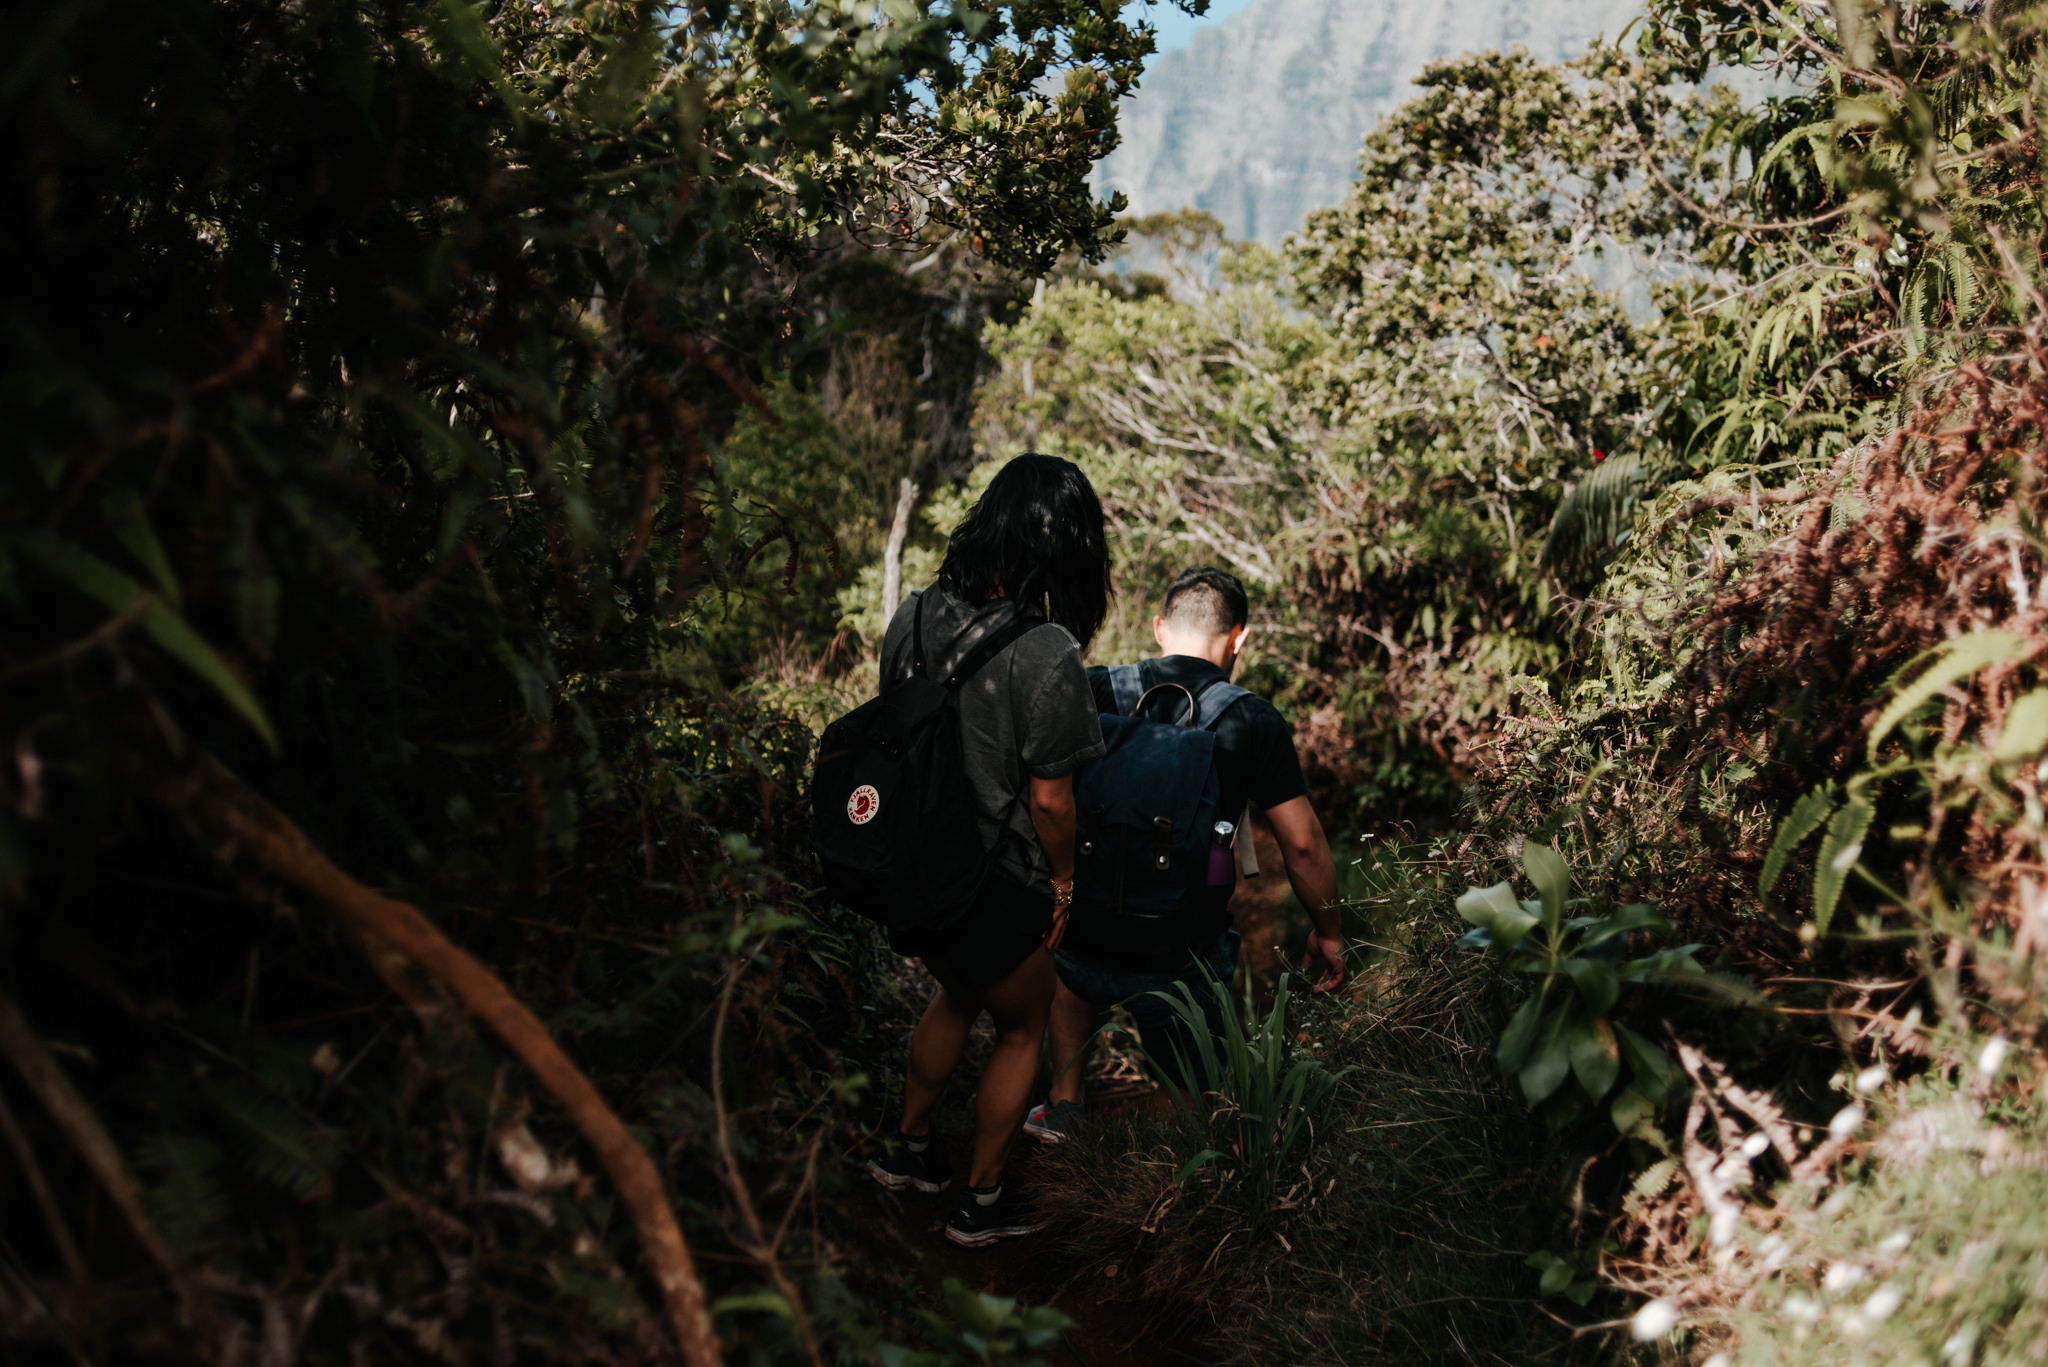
1754,1146
1957,1349
1656,1319
1883,1302
1720,1230
1719,1360
1840,1277
1870,1079
1895,1243
1803,1309
1992,1056
1847,1121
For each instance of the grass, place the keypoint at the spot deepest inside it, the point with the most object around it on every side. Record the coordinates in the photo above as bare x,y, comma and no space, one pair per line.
1397,1231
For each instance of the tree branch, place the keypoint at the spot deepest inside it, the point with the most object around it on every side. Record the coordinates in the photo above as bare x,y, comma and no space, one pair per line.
238,821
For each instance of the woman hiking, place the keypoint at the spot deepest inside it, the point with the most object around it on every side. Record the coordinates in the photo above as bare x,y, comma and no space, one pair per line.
1031,547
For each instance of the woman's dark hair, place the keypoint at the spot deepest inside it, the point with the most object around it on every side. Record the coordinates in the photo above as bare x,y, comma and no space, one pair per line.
1035,536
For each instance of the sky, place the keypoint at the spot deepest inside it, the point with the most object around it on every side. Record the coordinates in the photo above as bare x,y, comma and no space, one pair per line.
1175,28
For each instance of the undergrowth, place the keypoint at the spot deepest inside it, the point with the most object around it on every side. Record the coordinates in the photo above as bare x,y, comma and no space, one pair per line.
1398,1229
1932,1251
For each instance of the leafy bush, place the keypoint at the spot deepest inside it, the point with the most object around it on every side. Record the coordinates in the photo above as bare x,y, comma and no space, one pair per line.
1566,1027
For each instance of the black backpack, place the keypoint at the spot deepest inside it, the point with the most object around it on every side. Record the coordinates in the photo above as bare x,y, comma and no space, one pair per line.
1147,812
893,819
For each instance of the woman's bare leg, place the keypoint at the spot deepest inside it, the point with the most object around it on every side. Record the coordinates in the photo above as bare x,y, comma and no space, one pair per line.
935,1048
1019,1003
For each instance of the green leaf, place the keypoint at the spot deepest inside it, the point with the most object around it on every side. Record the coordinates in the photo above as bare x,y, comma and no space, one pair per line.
130,521
1510,926
1481,905
2026,728
1580,1292
95,578
1953,661
1196,1164
1596,982
1596,1057
1543,1074
1634,916
1805,819
1631,1109
1838,853
1553,881
1520,1032
1556,1277
1649,1066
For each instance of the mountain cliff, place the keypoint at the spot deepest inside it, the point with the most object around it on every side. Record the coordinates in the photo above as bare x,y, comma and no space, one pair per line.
1259,118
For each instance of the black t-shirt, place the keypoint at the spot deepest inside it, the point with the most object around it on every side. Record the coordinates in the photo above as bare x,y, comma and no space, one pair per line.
1255,757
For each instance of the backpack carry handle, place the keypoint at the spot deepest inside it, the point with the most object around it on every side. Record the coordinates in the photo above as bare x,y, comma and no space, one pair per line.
1188,721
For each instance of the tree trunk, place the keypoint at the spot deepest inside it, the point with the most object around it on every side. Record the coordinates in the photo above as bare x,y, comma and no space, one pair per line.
892,554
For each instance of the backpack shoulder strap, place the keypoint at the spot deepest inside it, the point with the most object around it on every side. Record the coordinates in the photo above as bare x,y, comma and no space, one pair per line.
1127,687
1215,700
917,636
989,649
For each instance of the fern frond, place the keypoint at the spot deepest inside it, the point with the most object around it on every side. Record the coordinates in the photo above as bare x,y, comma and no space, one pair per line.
1805,819
184,1190
1594,519
274,1142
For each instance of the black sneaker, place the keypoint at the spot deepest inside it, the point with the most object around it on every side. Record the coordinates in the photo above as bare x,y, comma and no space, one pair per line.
901,1166
973,1223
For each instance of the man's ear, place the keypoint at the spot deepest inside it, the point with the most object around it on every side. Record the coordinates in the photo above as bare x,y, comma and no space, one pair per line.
1159,631
1238,636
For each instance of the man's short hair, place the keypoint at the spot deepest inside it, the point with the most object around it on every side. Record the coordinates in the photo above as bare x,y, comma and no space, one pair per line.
1206,599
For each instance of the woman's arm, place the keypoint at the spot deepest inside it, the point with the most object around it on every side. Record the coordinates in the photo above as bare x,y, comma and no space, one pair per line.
1052,816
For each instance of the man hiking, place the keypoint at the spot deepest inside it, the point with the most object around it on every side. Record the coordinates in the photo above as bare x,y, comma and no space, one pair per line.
1108,958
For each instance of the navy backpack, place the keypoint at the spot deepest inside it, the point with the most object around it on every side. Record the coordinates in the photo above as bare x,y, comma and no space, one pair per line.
1147,812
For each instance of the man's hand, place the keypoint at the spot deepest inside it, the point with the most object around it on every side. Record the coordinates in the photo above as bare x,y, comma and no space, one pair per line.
1331,949
1312,873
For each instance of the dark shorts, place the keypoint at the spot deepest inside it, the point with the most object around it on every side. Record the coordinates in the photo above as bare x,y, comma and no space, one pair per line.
984,946
1163,1033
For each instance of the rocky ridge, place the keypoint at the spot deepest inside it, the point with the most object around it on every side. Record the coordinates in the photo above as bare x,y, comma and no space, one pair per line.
1259,118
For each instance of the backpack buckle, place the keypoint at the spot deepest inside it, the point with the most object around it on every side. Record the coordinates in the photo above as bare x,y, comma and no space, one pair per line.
1162,848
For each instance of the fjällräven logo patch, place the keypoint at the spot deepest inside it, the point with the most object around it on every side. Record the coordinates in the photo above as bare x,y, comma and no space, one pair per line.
862,806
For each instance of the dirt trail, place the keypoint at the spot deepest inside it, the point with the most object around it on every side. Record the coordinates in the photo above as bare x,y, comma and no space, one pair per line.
1106,1333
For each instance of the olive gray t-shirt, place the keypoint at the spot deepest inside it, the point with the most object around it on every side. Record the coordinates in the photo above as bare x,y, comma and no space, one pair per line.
1029,712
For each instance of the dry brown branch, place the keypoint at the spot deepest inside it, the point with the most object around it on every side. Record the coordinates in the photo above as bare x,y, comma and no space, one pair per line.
239,822
764,1250
70,1113
46,1200
1707,502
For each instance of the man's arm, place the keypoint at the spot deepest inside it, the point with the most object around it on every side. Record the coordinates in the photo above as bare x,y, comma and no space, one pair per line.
1312,873
1052,816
